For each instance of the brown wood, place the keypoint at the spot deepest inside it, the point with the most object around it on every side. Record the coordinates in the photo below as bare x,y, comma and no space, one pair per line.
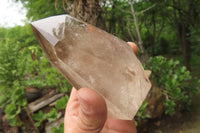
88,11
42,102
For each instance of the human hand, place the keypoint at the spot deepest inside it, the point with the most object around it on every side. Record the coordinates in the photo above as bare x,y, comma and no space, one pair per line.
86,112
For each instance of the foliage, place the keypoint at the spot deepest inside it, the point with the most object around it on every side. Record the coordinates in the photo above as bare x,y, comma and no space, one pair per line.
41,8
158,31
41,74
40,116
141,111
23,64
60,129
140,115
11,75
195,40
12,111
62,102
176,83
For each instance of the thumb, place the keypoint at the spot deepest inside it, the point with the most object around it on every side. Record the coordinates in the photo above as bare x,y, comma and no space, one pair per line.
92,111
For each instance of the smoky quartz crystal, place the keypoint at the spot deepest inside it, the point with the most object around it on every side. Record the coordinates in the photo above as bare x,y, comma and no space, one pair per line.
90,57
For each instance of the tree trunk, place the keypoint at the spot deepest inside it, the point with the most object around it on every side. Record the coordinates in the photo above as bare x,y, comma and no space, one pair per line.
154,33
185,44
183,22
88,11
112,27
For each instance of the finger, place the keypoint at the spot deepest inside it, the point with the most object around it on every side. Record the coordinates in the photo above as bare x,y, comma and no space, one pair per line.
119,126
133,46
71,112
73,95
72,104
86,112
92,112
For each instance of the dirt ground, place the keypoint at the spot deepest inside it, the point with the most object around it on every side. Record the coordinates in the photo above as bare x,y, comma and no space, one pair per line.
186,122
191,122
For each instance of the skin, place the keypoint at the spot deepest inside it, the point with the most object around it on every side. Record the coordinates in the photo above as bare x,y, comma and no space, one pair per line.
133,46
86,112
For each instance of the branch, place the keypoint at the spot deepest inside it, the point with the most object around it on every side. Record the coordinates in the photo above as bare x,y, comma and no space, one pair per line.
123,10
137,28
56,2
64,2
139,13
146,9
159,32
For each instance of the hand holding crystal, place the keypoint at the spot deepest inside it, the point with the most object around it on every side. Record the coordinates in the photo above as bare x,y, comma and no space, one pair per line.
86,112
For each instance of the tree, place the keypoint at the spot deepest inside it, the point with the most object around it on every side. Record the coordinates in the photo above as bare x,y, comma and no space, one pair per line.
88,11
140,42
41,8
184,19
182,15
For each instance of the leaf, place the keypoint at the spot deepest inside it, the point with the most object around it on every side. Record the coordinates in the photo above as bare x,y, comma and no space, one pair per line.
52,115
39,116
22,101
62,102
64,89
37,124
2,100
10,109
60,129
18,110
14,122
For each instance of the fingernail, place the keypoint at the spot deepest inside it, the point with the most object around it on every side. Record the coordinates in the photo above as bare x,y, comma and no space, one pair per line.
85,106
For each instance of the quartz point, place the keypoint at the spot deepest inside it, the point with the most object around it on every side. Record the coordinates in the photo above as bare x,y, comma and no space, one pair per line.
90,57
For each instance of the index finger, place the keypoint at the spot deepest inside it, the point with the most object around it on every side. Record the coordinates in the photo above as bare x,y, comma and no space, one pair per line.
133,46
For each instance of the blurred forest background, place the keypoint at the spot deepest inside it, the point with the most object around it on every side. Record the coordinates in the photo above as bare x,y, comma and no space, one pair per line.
167,33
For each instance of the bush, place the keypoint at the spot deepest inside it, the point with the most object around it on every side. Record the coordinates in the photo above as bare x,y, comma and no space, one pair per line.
22,64
177,84
11,74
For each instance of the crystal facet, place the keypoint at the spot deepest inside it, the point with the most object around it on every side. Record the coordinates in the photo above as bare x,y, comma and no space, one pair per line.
90,57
